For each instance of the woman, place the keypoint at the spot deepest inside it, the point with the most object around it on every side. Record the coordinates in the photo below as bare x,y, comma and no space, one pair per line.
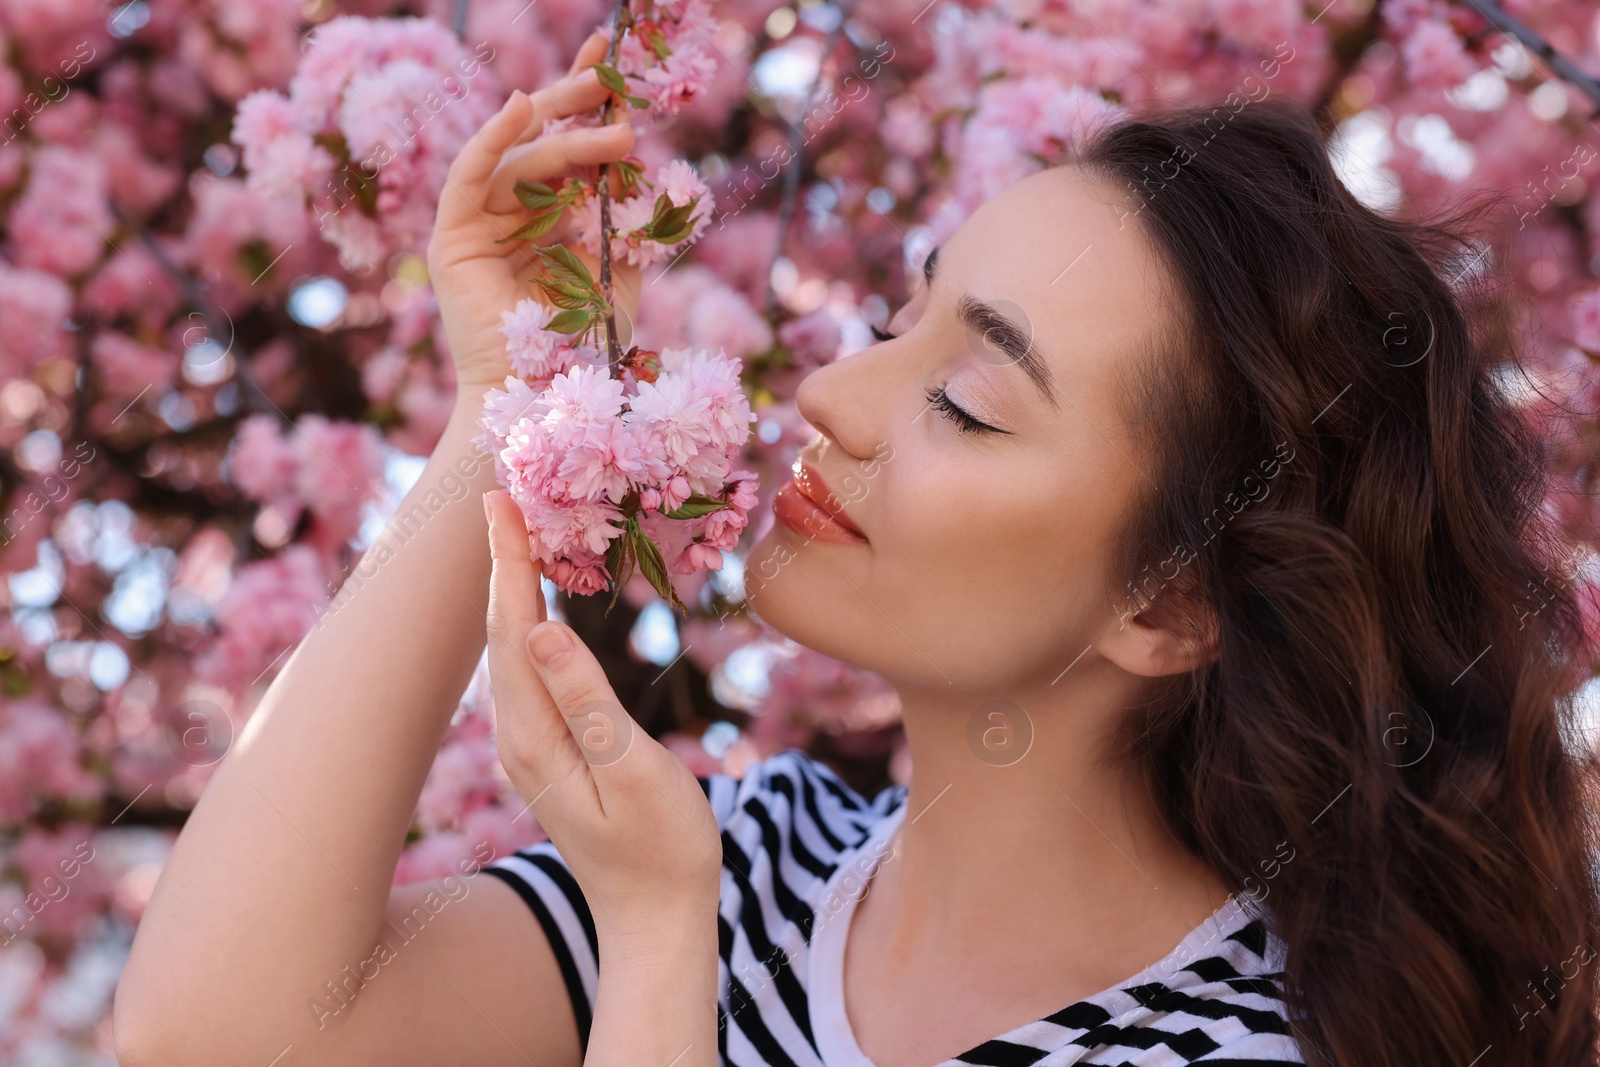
1181,510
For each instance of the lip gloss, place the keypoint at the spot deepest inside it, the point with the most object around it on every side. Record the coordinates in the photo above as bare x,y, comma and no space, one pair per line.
792,507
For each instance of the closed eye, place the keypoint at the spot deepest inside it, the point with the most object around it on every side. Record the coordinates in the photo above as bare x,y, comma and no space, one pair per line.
964,421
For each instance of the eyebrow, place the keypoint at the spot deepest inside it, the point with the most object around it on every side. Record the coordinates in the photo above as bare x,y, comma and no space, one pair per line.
994,327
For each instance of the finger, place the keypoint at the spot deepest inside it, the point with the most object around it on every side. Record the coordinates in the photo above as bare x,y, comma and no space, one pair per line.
592,51
526,715
481,154
601,727
572,95
547,157
514,594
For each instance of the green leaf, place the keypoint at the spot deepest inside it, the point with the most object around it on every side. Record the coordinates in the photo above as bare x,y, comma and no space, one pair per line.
564,266
651,565
670,224
610,78
579,292
629,172
534,228
663,208
562,300
569,322
695,507
535,196
637,102
682,215
670,237
619,563
658,43
571,297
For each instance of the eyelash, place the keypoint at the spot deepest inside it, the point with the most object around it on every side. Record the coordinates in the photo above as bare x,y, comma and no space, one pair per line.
965,423
937,398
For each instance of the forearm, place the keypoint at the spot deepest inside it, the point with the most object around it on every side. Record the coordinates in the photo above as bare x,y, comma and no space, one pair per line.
281,874
656,1001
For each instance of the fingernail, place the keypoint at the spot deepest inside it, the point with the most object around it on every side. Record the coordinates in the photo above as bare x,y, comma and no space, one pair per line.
487,512
550,643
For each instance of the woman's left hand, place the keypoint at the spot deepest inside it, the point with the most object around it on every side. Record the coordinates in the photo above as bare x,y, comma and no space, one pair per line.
627,815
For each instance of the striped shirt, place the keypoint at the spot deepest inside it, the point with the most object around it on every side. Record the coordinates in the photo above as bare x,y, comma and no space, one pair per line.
798,849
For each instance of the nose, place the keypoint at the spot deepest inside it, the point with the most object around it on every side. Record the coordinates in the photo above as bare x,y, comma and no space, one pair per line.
848,401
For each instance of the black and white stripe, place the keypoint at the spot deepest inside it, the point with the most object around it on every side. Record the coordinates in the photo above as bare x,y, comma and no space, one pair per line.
789,827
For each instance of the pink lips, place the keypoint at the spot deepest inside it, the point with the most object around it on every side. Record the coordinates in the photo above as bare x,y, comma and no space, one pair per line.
807,505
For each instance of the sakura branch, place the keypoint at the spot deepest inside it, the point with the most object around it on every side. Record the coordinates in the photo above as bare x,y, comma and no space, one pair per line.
1563,67
620,459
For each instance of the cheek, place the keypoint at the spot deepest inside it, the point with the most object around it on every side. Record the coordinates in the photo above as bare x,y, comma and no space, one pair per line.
980,570
999,538
965,518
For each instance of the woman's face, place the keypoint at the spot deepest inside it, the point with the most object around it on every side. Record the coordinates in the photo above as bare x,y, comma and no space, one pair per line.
986,551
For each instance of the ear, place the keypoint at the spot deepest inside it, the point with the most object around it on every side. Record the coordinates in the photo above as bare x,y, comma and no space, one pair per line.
1157,644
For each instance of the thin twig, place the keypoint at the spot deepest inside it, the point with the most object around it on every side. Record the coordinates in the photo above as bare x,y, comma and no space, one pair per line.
791,170
602,189
1560,64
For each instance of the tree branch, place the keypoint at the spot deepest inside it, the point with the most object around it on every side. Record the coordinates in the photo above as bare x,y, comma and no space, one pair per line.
602,189
791,170
1563,67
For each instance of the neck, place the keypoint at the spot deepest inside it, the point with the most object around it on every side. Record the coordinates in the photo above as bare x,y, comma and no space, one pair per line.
1007,836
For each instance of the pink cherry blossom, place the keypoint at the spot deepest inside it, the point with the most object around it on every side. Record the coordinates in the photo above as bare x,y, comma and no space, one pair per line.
679,81
270,606
1434,56
262,462
396,92
679,182
62,220
40,757
33,311
128,367
337,466
721,318
812,339
534,351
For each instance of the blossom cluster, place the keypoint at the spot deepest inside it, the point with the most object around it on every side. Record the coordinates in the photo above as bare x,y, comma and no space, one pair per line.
592,459
365,134
617,463
665,55
320,465
630,218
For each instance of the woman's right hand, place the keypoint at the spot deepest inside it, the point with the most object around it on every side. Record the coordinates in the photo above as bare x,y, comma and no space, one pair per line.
476,279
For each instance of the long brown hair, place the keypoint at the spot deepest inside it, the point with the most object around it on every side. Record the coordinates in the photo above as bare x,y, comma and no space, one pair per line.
1383,749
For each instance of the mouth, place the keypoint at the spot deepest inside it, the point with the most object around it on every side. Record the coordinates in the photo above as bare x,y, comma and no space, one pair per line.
806,505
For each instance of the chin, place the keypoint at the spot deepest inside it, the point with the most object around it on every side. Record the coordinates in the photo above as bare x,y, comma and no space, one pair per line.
795,593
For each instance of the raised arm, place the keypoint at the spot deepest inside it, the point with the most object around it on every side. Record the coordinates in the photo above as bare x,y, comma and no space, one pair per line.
280,880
